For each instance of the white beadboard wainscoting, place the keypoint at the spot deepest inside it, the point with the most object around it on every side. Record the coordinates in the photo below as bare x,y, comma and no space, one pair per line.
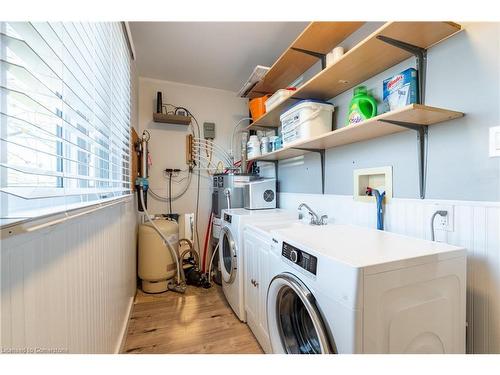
476,226
70,287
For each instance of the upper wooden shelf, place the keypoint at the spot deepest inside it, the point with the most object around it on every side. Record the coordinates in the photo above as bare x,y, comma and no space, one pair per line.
373,128
320,37
368,58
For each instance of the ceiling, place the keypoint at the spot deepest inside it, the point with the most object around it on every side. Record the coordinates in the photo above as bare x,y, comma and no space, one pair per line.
211,54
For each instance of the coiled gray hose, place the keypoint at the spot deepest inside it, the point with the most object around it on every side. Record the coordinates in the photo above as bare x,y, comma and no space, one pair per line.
166,199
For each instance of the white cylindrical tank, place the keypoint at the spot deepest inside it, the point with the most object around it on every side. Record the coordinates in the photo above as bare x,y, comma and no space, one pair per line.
155,262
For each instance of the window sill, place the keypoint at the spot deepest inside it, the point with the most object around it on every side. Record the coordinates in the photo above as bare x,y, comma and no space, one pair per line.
9,228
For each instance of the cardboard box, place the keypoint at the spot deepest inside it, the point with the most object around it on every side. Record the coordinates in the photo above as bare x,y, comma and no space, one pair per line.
400,90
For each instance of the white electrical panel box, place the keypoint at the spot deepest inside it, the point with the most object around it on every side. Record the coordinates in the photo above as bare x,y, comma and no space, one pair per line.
376,178
494,142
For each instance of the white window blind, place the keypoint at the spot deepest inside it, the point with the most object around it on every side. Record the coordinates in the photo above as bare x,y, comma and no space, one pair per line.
65,116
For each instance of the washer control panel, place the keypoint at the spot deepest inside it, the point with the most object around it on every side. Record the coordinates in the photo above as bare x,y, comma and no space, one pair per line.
301,258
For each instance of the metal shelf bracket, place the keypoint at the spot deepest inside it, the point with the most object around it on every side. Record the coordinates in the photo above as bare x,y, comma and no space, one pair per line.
321,153
421,62
319,55
422,130
422,139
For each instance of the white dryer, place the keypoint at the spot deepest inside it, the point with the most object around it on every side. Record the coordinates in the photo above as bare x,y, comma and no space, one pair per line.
231,250
347,289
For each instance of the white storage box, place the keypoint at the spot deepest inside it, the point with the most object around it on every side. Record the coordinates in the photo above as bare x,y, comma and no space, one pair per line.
216,226
277,98
306,119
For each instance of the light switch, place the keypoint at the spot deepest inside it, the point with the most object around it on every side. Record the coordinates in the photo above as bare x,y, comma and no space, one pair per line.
495,142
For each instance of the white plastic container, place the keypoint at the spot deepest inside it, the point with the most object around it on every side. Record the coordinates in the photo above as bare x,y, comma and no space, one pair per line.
253,147
277,98
306,119
265,145
216,227
334,55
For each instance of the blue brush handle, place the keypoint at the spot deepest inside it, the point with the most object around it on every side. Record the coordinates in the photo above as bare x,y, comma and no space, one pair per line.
380,210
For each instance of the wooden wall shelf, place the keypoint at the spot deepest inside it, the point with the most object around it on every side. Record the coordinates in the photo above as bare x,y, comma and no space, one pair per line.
319,37
368,58
171,119
413,114
389,45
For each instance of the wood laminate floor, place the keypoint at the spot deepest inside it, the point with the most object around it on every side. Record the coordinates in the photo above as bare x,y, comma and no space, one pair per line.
199,321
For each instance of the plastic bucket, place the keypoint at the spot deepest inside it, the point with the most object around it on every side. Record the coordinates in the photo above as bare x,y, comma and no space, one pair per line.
305,120
258,107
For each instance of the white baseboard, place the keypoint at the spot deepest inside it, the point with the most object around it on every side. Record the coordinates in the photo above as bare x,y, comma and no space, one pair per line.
123,334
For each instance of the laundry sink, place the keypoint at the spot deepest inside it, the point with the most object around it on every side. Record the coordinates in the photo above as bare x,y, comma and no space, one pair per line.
267,227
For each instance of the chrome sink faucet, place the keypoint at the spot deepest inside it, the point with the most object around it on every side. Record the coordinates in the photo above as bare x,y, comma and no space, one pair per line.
315,219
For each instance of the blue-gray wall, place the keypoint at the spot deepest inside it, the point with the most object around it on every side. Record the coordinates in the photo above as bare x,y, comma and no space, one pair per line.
463,74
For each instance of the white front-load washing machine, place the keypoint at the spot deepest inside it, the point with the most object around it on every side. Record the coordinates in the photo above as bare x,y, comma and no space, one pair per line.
347,289
231,250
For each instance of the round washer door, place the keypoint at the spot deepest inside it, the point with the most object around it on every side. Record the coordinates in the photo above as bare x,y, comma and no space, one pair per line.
295,324
227,255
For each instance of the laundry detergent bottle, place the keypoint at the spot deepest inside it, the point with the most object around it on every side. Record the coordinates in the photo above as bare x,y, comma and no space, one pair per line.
363,106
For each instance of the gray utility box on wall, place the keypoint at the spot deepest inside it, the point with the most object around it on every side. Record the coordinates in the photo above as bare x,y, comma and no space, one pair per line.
209,130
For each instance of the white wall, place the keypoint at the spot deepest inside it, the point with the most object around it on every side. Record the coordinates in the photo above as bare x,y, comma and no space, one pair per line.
476,226
70,287
167,145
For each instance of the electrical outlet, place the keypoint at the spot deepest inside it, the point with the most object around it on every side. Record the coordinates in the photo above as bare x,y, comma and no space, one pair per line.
174,172
444,223
494,142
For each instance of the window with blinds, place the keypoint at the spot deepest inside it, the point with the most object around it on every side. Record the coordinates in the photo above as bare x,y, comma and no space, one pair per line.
65,116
